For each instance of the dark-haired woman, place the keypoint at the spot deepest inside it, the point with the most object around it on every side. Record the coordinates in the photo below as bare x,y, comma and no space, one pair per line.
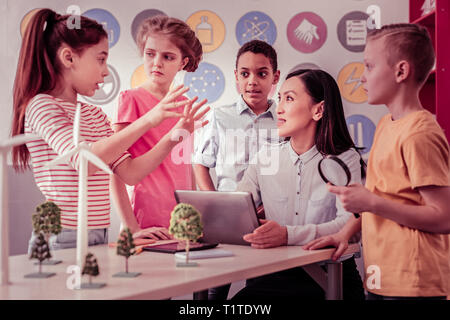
286,180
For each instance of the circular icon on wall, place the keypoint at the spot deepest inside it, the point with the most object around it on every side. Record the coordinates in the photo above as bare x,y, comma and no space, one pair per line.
142,16
138,77
256,25
306,65
108,89
209,29
349,82
362,131
109,22
352,31
307,32
26,19
207,82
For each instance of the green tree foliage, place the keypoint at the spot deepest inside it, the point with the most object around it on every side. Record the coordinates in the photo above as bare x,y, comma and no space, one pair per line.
47,219
186,223
90,266
125,244
40,250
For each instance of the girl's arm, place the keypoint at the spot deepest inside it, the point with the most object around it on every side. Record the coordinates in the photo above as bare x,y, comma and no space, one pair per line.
123,205
111,148
122,202
131,171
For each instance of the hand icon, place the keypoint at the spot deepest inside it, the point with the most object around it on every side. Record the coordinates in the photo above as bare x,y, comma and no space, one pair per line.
306,31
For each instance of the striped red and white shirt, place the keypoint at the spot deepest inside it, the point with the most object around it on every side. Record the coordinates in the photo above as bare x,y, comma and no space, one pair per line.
52,120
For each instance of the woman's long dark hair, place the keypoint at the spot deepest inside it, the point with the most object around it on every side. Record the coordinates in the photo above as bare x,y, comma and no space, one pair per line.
332,136
38,70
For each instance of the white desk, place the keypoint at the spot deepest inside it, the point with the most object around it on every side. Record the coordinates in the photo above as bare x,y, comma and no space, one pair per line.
160,277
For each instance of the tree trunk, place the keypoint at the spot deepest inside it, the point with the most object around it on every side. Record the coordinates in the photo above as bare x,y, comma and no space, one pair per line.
126,264
187,251
40,266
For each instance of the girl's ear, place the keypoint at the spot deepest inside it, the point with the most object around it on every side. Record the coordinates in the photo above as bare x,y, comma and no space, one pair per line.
184,63
402,71
66,56
317,111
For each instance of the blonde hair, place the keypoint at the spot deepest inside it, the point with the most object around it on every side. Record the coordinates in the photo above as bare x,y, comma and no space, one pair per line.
178,32
410,42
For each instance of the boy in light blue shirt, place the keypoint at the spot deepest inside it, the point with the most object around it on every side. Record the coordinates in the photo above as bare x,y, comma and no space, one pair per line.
235,133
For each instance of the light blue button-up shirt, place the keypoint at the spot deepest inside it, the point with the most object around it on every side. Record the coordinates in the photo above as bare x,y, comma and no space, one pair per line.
232,137
293,193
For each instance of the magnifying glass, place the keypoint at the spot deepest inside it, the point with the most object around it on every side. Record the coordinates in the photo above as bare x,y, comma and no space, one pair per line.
333,170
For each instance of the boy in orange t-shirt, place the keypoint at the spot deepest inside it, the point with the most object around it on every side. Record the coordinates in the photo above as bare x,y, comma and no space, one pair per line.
404,205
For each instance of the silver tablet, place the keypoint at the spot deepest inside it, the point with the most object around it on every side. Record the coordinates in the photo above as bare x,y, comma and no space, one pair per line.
226,216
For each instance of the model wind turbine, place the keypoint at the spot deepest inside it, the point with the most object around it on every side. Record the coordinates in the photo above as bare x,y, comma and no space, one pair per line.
84,155
5,146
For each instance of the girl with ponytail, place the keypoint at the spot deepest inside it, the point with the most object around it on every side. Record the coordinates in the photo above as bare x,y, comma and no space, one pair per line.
56,63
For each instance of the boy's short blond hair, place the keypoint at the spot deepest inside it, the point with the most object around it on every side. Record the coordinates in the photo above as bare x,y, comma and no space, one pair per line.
410,42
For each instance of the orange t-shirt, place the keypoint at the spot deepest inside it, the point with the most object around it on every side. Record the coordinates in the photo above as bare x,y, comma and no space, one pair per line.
406,154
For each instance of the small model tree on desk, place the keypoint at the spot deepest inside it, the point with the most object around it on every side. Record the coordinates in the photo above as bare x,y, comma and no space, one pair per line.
47,220
40,251
91,269
186,224
126,248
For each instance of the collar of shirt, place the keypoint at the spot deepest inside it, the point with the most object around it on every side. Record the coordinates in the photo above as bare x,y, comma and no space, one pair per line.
305,157
243,106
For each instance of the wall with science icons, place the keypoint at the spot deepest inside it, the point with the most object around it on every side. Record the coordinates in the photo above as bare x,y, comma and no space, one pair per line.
325,34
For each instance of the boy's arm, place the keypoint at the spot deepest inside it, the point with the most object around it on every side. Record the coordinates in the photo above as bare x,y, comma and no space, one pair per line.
338,240
203,178
433,216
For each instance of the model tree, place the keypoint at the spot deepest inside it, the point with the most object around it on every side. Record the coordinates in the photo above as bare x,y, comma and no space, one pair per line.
91,269
126,248
186,224
40,251
47,220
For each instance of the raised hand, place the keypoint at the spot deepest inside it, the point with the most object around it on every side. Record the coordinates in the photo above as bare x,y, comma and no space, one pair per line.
191,118
166,107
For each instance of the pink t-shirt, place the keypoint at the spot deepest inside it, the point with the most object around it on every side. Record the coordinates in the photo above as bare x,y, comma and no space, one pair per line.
153,198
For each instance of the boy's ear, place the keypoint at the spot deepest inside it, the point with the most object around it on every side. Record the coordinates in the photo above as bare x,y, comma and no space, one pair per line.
66,56
402,71
276,77
317,111
236,74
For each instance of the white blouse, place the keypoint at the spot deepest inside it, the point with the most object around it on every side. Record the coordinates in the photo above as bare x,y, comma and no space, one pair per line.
293,193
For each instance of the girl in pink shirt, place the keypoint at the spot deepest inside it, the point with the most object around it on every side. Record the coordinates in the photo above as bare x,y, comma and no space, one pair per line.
168,45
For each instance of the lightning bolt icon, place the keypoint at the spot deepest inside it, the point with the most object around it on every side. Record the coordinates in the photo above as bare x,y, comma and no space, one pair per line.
351,78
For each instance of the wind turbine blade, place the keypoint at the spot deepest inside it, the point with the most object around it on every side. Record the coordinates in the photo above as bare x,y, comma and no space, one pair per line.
65,158
18,140
91,157
76,125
